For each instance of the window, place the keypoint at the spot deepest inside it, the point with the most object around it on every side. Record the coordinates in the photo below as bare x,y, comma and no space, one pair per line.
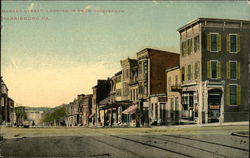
196,43
214,69
145,87
183,48
233,91
169,84
233,39
196,71
176,80
213,42
145,67
189,72
183,73
176,104
233,43
233,69
189,46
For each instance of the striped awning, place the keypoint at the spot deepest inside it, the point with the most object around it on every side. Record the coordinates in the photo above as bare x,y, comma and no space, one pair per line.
130,110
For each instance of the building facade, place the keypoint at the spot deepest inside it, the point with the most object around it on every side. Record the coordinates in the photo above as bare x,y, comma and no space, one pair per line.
152,82
174,107
214,63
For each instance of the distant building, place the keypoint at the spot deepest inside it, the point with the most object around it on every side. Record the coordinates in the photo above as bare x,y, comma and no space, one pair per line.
86,108
35,116
215,72
100,92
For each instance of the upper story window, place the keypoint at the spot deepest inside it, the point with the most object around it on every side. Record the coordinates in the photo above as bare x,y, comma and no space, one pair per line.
176,79
189,72
213,69
196,43
213,42
196,70
169,83
183,48
233,43
183,73
233,94
233,70
145,67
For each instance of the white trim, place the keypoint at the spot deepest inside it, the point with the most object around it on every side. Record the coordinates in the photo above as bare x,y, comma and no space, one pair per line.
230,42
235,61
216,70
216,41
233,84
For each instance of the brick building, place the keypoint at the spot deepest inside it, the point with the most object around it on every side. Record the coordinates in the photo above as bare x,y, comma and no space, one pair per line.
214,63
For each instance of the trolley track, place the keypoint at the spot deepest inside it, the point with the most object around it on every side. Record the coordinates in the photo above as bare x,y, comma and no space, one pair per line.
204,141
150,145
204,150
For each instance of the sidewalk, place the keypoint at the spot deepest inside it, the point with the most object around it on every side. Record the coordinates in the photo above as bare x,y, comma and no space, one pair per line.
206,125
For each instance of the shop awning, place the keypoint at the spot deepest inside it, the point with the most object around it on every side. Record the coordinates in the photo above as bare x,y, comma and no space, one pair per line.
130,110
93,114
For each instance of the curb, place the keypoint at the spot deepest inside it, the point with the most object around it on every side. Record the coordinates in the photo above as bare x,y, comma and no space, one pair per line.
241,134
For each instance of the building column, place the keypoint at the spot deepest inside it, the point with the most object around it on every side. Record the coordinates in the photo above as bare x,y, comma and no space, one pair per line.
200,103
206,102
222,103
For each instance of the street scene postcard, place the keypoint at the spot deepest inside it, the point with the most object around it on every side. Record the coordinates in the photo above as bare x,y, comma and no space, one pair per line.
124,79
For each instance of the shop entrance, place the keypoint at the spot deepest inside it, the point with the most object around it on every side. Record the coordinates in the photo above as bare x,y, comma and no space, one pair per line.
214,105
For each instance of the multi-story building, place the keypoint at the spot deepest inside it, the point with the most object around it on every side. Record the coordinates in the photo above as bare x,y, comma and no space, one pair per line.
174,95
86,108
214,63
152,64
100,92
7,106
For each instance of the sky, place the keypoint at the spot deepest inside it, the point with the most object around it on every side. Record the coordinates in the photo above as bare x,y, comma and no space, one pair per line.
47,62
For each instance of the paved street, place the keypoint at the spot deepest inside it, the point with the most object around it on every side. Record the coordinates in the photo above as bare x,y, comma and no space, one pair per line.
205,142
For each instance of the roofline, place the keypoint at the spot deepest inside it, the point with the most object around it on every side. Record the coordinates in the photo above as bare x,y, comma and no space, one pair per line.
211,19
156,50
172,68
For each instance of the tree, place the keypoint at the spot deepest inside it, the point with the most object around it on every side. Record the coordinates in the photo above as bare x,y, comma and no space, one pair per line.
57,115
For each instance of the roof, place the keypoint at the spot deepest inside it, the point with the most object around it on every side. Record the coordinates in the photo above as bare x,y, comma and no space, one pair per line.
149,49
211,19
118,73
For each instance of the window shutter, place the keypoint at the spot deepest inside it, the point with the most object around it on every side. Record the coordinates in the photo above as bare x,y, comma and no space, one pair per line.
192,72
228,94
219,42
191,45
186,73
238,70
228,70
238,95
218,70
238,43
209,69
198,71
228,43
198,42
186,50
209,42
